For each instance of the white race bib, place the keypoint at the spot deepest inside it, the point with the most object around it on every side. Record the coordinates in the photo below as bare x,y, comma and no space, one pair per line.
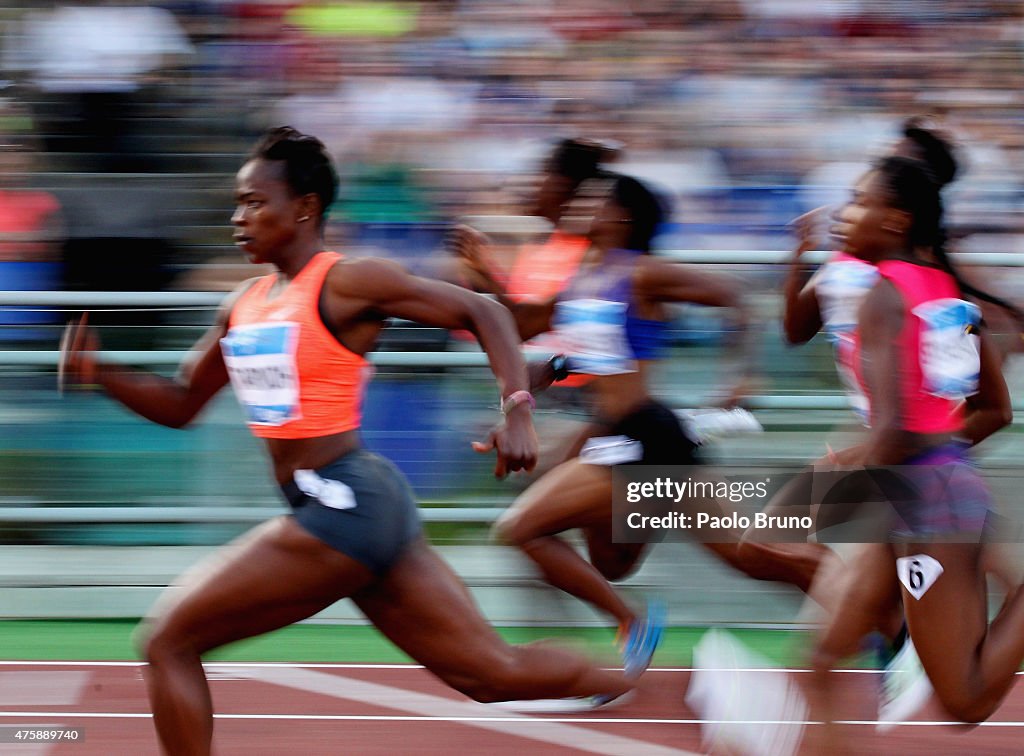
844,356
261,362
841,289
918,573
950,347
593,333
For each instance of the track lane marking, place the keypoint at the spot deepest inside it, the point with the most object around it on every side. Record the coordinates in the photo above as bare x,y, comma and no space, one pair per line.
348,665
471,719
470,713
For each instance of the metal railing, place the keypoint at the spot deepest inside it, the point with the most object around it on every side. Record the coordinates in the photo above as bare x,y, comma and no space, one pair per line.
193,514
18,511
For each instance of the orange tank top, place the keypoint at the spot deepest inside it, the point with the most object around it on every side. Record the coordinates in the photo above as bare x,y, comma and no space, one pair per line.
290,374
542,271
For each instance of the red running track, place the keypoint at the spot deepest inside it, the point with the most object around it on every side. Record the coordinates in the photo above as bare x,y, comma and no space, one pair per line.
397,709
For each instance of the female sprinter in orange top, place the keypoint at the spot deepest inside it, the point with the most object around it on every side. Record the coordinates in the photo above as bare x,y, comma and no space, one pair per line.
293,344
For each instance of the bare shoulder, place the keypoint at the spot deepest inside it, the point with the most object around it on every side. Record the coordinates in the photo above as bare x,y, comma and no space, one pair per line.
243,287
228,303
372,289
882,309
362,276
648,269
650,262
653,275
884,298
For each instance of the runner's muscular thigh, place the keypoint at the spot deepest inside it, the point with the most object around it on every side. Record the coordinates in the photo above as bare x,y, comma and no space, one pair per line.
425,610
572,495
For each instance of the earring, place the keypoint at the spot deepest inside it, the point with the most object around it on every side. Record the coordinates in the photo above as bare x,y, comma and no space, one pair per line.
303,218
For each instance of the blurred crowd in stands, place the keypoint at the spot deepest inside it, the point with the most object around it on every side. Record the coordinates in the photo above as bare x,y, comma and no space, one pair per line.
127,119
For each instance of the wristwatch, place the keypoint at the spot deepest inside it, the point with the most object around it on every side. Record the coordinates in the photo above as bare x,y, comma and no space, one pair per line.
559,367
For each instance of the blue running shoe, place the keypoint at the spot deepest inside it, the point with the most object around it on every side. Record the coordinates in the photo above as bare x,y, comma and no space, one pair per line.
882,650
609,700
642,640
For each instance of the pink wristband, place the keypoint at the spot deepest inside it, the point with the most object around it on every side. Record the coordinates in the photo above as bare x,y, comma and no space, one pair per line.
516,398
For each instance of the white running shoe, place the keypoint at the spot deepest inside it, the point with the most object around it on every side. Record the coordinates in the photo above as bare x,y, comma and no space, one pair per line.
565,705
746,706
905,688
709,423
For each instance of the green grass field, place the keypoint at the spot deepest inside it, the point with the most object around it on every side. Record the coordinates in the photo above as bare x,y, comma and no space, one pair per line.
311,642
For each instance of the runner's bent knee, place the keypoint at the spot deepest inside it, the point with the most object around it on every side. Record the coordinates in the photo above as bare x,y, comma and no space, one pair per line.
507,528
615,561
160,638
966,706
515,526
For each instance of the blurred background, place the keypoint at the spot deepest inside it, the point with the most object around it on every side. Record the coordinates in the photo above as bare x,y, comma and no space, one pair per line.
121,127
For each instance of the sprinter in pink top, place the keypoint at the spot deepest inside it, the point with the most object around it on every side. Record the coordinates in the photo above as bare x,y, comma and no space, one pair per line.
828,300
934,385
938,347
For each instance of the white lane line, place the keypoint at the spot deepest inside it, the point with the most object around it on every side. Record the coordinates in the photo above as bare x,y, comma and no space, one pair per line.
470,719
342,665
35,663
436,707
74,714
